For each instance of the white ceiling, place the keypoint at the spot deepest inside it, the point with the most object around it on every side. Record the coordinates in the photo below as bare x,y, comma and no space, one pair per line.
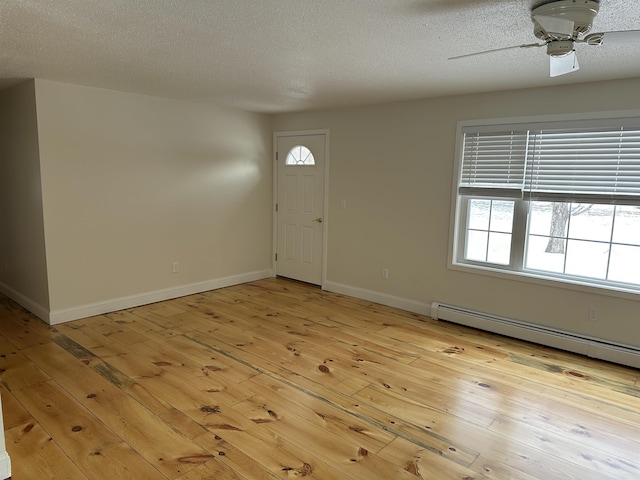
291,55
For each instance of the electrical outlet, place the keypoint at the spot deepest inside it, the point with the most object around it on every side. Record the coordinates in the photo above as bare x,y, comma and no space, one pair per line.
593,314
343,203
385,273
175,267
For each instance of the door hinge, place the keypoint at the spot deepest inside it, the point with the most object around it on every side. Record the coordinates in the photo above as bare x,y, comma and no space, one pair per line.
276,207
276,257
276,156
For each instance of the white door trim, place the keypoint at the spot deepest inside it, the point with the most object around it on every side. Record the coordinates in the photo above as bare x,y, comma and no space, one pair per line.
5,461
325,207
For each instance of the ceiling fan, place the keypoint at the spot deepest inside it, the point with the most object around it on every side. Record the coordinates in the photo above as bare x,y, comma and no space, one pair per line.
561,24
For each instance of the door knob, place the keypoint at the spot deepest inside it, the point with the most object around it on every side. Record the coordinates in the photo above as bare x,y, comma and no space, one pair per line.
319,220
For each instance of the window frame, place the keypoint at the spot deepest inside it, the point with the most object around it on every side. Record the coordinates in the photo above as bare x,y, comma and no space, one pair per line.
515,269
304,162
518,233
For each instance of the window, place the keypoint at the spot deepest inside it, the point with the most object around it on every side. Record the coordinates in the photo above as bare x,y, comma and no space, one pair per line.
554,199
489,230
300,155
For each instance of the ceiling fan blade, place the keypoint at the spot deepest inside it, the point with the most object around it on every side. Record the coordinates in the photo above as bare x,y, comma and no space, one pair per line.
621,38
563,65
557,25
529,45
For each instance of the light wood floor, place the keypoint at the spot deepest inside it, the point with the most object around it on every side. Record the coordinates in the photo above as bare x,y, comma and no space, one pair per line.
276,379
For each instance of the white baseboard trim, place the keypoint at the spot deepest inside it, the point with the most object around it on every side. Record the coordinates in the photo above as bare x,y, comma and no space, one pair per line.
381,298
34,307
74,313
5,465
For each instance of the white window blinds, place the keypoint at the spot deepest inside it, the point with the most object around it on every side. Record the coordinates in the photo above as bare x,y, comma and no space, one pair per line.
493,163
590,164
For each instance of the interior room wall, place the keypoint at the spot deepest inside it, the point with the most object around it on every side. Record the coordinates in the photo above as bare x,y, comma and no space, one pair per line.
132,184
393,166
23,268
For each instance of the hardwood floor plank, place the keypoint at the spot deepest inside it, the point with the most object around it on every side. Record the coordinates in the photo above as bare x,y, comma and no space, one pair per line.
81,332
473,346
469,435
437,341
310,365
334,397
610,385
278,454
479,340
163,309
34,454
285,400
176,418
14,413
553,387
591,429
388,423
425,464
522,460
552,412
244,465
349,458
496,470
223,367
133,321
624,465
370,343
16,370
408,380
419,413
277,379
173,366
212,470
179,391
169,354
172,453
237,354
26,330
118,332
87,441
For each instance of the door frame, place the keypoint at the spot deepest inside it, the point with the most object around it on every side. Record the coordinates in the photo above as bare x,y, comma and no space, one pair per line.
325,206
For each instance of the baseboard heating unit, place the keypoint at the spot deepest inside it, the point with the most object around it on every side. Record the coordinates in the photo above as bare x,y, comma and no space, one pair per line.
592,347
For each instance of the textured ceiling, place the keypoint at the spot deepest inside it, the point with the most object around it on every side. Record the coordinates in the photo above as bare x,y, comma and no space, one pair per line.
291,55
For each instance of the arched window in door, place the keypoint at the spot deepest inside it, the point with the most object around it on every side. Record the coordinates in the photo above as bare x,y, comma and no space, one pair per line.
300,155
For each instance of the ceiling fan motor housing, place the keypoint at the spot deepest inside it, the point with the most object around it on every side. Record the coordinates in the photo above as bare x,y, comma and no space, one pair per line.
580,12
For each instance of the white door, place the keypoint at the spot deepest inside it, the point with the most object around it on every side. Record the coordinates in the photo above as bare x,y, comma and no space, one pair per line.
300,207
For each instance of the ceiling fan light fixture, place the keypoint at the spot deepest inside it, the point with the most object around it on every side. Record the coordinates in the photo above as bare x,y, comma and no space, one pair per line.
560,48
563,65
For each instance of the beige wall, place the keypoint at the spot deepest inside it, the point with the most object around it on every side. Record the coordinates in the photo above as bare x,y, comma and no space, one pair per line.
23,273
132,183
393,164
